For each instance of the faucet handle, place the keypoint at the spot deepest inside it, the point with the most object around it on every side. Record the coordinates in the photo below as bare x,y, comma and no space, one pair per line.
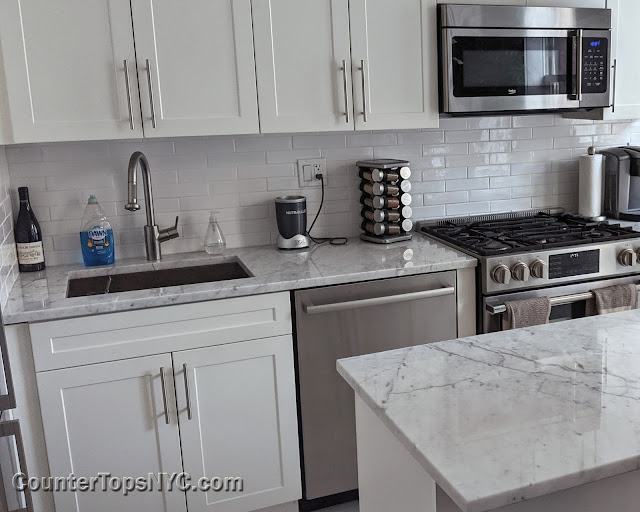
169,233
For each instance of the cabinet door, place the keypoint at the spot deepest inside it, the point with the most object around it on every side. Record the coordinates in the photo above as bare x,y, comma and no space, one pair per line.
65,69
396,44
596,4
196,67
110,417
243,422
302,50
626,73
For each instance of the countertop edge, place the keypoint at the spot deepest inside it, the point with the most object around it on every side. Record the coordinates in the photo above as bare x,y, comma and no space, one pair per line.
122,303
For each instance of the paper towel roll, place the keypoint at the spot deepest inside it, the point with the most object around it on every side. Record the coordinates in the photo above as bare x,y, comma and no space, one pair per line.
591,185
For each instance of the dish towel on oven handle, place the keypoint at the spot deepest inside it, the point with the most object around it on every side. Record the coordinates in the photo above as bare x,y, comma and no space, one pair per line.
526,313
613,299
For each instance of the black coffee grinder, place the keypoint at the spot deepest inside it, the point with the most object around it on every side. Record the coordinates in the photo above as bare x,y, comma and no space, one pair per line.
291,214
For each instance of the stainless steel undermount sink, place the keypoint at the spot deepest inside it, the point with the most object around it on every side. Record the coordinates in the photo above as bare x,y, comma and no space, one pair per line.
131,281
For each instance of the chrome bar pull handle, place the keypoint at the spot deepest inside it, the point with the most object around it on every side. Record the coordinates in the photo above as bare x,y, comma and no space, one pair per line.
615,79
345,84
580,64
311,309
129,102
186,389
365,114
164,396
151,99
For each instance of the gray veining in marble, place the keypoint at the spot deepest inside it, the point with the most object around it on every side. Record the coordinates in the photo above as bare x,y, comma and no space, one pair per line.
42,296
514,415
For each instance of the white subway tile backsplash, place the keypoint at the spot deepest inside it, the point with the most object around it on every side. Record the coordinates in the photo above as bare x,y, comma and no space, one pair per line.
468,184
467,136
511,134
428,137
468,166
482,171
454,210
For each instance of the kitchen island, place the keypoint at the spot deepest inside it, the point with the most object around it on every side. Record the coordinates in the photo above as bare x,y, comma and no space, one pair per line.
538,419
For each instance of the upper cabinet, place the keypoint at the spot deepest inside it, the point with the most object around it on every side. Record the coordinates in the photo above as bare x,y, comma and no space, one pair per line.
395,63
625,98
303,63
70,70
196,67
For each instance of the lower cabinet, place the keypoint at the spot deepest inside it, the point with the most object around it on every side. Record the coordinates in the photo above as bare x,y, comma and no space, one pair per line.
239,419
110,418
219,412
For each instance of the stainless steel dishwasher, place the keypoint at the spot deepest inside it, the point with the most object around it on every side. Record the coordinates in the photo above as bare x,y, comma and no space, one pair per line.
351,320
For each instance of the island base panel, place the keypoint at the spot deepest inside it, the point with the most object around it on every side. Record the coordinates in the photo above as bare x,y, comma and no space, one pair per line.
390,478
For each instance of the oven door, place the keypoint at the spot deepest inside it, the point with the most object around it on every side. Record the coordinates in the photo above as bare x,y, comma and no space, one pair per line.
568,302
486,70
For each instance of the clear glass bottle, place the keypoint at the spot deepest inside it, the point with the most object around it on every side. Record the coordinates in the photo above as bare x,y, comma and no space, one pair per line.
214,242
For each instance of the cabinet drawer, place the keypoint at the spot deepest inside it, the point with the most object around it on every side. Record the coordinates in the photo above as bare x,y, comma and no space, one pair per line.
95,339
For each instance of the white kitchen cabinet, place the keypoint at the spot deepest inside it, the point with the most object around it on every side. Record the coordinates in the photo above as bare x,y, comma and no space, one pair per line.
595,4
243,422
303,65
70,70
626,72
110,417
196,67
487,2
395,63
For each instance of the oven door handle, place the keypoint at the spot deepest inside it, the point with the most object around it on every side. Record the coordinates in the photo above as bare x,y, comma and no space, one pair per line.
310,309
555,301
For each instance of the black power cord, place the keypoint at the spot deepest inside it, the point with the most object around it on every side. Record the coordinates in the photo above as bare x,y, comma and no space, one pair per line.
332,241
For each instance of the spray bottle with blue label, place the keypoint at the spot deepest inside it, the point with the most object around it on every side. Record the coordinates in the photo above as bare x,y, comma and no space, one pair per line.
96,236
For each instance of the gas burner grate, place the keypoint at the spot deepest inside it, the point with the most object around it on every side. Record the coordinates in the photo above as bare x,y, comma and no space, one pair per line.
533,231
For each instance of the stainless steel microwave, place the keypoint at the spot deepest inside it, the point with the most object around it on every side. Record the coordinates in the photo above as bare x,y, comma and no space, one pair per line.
510,59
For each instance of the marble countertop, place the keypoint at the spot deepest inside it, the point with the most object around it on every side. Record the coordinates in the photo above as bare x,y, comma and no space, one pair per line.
42,296
514,415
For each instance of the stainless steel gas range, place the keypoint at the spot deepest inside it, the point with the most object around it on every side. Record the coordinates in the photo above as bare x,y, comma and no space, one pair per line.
540,253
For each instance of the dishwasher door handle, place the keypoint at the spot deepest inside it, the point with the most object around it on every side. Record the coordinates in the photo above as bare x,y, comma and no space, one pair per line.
310,309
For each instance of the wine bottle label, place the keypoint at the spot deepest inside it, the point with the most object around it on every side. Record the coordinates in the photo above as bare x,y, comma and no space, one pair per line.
30,254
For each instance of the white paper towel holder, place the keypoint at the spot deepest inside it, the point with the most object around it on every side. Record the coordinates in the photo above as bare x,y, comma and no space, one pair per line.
600,218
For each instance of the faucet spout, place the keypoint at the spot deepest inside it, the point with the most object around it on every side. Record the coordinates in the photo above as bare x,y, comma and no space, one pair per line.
153,235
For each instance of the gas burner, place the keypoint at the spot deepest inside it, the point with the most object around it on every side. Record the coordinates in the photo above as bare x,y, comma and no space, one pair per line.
527,233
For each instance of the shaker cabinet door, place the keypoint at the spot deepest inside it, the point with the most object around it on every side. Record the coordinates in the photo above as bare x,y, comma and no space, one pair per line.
110,417
196,67
626,72
70,70
303,64
237,410
395,63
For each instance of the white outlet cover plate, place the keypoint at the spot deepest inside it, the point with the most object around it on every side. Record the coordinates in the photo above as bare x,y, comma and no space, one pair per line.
322,162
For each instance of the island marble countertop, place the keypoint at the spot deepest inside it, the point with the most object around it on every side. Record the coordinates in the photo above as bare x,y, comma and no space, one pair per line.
42,296
510,416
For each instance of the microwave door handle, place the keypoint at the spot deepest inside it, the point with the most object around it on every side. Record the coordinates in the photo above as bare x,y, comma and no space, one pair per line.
576,66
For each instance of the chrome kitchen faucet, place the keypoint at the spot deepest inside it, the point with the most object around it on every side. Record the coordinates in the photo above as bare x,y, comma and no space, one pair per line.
153,235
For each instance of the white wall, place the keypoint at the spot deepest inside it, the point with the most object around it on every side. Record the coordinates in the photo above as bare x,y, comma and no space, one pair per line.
8,262
468,166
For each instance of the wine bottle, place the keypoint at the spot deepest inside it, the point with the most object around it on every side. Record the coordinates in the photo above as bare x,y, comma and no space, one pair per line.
28,236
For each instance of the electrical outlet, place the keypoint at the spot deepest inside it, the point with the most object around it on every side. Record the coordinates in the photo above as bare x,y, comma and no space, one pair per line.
308,169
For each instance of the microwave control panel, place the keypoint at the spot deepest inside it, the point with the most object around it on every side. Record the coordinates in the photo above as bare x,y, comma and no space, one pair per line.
595,52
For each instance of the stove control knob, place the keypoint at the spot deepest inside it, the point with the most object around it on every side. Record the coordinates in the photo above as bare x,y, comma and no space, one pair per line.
520,272
540,269
501,274
627,258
